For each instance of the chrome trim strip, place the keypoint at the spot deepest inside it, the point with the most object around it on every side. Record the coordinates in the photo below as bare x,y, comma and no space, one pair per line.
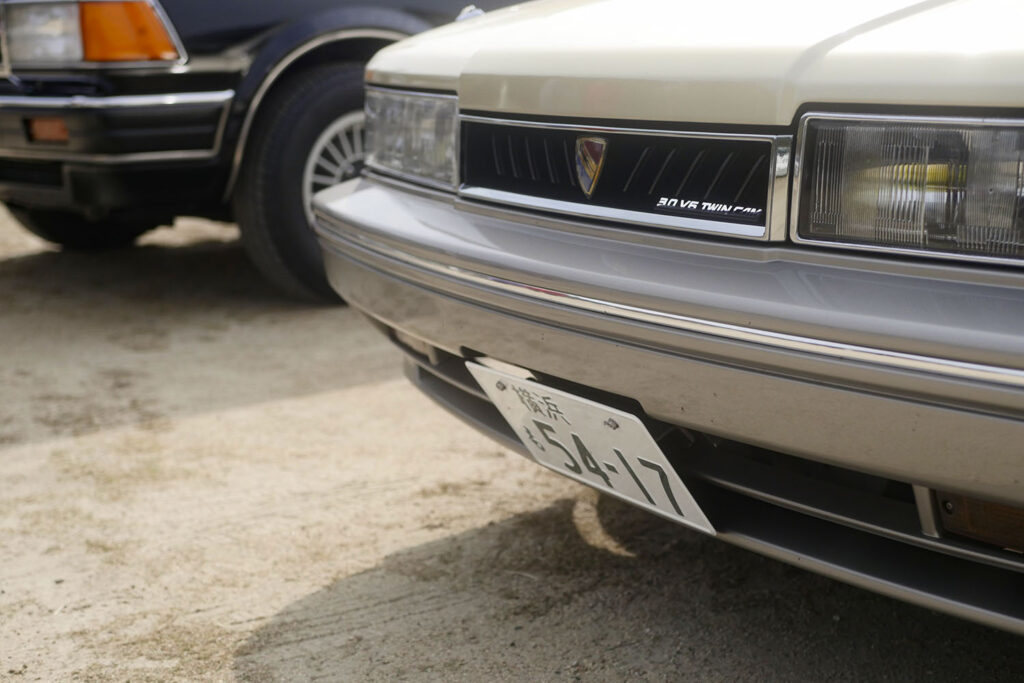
794,213
412,93
411,179
158,9
5,62
660,132
896,360
220,97
927,511
275,73
681,223
773,230
778,192
117,101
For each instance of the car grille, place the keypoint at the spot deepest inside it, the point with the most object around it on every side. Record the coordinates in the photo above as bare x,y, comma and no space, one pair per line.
697,181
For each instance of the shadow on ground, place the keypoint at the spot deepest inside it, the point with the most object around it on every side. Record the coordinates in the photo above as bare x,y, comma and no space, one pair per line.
529,599
178,325
205,274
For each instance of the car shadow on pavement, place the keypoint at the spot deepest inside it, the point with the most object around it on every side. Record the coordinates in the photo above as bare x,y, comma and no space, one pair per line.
175,326
531,598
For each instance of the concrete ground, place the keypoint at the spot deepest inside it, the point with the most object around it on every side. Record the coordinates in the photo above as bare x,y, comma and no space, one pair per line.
201,480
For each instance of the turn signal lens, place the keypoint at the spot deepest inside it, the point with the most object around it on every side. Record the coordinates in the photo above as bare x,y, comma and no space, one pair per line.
47,129
955,188
124,32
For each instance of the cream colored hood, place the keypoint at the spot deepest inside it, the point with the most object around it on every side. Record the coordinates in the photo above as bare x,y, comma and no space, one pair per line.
721,61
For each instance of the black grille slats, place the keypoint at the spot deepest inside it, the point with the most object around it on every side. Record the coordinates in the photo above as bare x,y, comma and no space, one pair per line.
706,178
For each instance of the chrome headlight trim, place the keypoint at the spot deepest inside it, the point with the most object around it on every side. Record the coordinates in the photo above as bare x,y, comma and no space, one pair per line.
798,170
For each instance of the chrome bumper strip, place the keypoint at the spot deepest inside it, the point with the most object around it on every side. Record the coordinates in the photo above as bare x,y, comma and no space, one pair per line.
778,340
117,101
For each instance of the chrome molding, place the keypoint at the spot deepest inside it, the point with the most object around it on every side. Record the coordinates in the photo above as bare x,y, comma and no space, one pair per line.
117,101
681,223
927,511
154,63
275,73
221,98
5,62
801,141
897,360
773,230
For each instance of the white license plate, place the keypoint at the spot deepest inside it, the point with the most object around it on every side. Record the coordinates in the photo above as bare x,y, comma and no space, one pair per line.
602,447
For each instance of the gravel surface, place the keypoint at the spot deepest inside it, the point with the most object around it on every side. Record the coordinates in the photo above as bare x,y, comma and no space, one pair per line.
205,481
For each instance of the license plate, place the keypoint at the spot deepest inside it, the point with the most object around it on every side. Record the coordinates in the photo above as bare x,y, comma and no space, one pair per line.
602,447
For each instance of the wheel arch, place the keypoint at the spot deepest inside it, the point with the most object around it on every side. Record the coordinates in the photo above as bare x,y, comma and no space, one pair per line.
351,33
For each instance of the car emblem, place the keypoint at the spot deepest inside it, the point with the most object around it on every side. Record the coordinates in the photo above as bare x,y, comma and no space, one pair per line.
589,162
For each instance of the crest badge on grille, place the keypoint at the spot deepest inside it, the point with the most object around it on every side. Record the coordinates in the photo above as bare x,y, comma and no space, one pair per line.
589,162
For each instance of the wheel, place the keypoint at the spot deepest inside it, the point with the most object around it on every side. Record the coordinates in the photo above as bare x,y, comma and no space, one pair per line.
309,136
73,231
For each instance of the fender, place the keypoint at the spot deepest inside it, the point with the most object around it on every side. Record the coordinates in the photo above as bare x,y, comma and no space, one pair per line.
287,44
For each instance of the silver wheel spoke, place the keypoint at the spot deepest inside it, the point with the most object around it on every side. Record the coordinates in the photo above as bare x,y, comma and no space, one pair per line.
332,168
349,152
357,140
332,149
325,180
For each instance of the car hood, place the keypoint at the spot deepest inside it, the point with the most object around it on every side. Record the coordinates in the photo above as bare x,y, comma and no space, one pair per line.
724,61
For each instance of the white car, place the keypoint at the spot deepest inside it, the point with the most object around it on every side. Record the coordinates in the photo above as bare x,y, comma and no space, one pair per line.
755,267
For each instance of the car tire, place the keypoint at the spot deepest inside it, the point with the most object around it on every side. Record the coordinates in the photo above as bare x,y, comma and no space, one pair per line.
271,198
76,232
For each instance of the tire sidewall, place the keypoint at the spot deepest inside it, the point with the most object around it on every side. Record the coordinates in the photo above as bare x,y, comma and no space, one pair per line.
282,147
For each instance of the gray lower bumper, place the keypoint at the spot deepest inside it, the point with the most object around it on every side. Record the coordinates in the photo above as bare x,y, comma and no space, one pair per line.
932,427
943,410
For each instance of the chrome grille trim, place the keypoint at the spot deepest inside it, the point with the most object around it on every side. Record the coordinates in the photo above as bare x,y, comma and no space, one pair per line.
776,222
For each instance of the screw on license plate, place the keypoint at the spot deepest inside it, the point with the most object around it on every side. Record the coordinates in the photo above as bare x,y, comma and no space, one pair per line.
611,424
501,385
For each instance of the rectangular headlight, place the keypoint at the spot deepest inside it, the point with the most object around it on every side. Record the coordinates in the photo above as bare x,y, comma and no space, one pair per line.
414,135
952,187
44,33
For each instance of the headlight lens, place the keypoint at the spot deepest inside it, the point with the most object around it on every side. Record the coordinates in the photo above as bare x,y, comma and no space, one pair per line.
44,33
413,134
62,33
921,185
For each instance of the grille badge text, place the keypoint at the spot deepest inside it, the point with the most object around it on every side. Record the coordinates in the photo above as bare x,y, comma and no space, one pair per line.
706,207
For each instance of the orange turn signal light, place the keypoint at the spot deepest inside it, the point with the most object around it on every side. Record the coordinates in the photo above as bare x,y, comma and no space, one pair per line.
47,129
124,32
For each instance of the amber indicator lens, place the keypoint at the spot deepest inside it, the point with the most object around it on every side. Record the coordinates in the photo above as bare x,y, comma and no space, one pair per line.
993,523
47,129
124,32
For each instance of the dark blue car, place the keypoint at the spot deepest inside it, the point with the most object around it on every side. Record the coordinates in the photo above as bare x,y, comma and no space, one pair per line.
115,117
